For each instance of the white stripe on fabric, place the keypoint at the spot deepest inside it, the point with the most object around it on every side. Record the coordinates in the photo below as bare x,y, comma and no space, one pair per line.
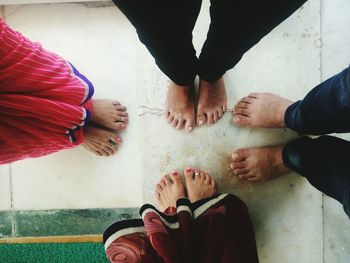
200,210
168,224
183,208
123,232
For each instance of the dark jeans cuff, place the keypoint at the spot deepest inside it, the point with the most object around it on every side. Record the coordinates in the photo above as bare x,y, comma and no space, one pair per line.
290,116
291,154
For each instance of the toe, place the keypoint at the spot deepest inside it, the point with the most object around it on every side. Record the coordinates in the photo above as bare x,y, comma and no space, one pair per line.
120,125
180,124
240,171
159,188
174,122
188,173
120,108
121,119
240,155
245,176
241,120
253,95
242,105
215,117
176,178
248,100
167,180
171,118
241,111
122,113
189,125
197,174
162,183
201,119
157,194
210,118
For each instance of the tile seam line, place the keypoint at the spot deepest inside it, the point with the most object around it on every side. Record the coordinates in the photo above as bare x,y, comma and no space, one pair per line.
321,79
13,221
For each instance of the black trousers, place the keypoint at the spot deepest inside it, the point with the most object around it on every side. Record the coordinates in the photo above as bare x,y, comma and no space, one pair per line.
165,28
324,161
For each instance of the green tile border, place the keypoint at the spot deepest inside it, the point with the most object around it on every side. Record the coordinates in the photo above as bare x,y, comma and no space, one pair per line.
63,222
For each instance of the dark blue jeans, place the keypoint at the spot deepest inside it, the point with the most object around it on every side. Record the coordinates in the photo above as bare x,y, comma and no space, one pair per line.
324,161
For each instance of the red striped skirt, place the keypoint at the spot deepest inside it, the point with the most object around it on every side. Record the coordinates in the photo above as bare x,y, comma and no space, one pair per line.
44,101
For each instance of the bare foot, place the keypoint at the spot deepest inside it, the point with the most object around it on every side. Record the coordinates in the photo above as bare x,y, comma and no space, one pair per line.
180,107
109,113
169,189
212,101
259,164
101,142
199,184
263,110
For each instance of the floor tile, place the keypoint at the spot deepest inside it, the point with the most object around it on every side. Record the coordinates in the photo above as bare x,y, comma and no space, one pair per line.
5,187
76,178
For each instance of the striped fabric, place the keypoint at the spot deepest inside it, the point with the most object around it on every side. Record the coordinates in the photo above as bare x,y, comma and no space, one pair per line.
44,100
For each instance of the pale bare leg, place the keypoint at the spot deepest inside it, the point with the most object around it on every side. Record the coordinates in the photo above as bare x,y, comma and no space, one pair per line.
259,164
169,189
109,113
199,184
212,101
180,107
263,110
101,142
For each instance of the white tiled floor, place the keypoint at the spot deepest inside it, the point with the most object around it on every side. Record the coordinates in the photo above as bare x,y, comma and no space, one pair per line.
287,213
5,188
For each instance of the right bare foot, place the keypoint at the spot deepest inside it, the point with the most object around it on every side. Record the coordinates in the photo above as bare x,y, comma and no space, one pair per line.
101,142
109,113
180,106
263,110
199,184
169,189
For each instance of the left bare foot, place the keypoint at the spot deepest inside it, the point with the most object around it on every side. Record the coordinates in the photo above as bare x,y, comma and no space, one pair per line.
169,189
109,113
212,101
259,164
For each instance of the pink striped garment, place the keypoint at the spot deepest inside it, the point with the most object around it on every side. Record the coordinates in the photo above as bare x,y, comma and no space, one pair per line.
44,101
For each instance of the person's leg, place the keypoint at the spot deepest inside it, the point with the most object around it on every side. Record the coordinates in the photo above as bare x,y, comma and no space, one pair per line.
324,161
325,109
165,28
235,28
46,105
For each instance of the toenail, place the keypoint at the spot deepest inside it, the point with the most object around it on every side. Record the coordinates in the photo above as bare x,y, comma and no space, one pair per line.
196,173
200,122
174,173
189,128
234,156
119,139
123,125
231,165
188,170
